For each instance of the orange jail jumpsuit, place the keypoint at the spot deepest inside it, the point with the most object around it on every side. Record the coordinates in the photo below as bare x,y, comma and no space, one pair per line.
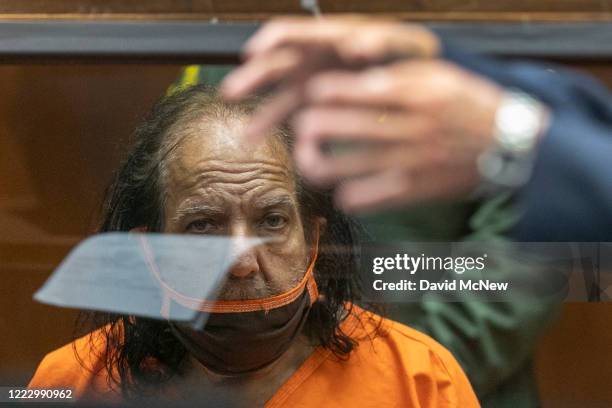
401,368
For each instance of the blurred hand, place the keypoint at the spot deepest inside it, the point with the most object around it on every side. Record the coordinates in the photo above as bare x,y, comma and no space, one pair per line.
414,127
287,52
424,124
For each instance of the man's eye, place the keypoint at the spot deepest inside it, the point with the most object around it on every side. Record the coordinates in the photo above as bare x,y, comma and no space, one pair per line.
274,221
200,226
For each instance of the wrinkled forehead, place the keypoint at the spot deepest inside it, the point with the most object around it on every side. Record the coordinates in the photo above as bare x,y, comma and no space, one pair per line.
213,151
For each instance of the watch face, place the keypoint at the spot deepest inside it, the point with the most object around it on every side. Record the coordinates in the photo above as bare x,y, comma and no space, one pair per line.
518,123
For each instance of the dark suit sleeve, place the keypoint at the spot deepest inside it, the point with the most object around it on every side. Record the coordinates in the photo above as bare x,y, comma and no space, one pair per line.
569,197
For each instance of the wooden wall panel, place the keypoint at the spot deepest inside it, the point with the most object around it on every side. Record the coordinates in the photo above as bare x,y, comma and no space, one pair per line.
63,129
249,10
574,359
286,6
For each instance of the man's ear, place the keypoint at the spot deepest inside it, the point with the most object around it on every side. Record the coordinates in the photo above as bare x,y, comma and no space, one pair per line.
139,230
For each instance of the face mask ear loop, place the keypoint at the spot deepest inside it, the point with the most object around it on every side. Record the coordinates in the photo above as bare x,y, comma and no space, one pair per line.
311,285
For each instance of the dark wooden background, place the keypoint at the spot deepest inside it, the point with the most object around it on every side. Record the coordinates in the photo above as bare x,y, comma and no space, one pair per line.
500,10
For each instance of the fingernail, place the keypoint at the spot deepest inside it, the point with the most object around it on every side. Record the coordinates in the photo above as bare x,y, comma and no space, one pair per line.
228,86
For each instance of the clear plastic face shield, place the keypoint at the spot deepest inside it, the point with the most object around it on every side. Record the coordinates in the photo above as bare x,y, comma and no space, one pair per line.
182,278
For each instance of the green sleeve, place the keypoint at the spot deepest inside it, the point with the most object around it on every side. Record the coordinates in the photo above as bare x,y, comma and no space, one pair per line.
493,341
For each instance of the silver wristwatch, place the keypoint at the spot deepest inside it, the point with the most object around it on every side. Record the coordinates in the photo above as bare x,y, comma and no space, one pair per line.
519,122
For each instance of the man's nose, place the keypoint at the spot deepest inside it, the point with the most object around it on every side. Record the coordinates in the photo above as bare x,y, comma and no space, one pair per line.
245,265
246,262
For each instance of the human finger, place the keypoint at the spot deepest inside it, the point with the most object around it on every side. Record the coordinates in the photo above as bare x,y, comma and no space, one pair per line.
371,123
297,31
352,38
273,112
327,169
373,87
400,187
260,72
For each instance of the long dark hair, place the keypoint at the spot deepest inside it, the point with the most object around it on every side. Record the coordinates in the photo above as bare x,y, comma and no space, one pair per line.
135,199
